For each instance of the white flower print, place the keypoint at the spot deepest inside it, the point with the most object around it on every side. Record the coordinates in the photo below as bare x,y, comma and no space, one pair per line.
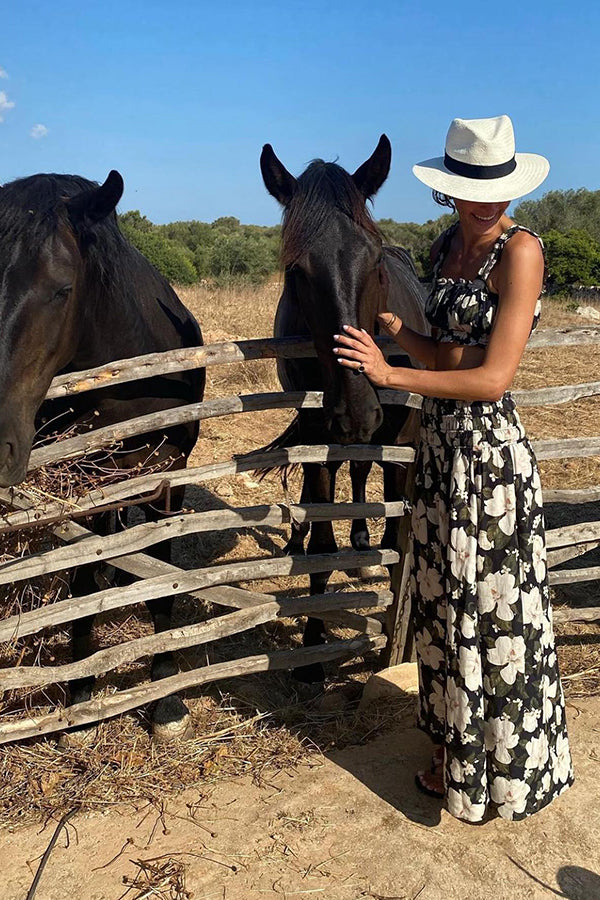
469,664
498,591
462,554
508,652
561,760
537,752
533,614
456,770
438,701
549,690
502,505
530,720
459,474
547,636
510,794
460,806
523,462
429,654
419,522
467,626
485,544
429,581
538,552
501,738
458,711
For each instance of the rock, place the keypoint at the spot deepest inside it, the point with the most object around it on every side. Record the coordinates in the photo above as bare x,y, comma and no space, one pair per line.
391,683
589,312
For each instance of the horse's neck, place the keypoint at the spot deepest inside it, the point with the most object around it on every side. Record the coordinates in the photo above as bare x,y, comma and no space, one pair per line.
107,331
406,296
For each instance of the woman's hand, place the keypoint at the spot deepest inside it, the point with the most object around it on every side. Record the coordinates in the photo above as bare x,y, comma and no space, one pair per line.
358,351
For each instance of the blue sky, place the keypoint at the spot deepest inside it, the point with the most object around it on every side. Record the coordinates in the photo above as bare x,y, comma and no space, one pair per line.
180,96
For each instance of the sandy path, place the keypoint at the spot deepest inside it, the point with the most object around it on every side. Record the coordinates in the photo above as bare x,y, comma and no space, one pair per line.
348,826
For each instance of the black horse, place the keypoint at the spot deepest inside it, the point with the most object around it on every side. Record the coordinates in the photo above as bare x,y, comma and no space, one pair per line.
338,272
75,294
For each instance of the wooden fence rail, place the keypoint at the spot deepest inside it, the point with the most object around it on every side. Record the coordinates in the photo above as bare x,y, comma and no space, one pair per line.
217,583
171,361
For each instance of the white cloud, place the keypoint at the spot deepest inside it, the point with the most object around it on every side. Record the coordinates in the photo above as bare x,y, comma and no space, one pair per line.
3,73
5,104
38,131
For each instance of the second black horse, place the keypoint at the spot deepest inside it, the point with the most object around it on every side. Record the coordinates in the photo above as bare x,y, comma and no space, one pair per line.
338,272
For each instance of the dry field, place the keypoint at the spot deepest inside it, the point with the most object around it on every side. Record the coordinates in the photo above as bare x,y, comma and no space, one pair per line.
254,715
272,827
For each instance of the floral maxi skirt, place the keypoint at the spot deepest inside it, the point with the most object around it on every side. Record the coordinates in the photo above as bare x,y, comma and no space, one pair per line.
489,688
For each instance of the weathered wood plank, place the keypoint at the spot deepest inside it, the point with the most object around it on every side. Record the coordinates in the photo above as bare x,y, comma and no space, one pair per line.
116,704
153,364
566,448
143,566
568,535
30,510
96,548
208,409
563,337
166,585
579,495
587,614
556,557
398,626
573,576
331,606
563,394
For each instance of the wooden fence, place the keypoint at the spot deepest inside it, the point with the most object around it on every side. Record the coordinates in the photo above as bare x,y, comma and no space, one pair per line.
384,628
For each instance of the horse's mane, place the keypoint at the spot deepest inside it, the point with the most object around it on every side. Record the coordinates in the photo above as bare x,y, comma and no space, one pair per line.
321,189
31,211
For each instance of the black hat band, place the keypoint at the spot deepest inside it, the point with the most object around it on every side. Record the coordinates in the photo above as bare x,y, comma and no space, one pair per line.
483,172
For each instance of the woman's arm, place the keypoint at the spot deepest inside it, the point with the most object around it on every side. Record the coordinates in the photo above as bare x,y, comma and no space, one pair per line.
419,346
519,278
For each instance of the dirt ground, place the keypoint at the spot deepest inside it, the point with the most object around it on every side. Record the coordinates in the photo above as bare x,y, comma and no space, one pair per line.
339,819
346,825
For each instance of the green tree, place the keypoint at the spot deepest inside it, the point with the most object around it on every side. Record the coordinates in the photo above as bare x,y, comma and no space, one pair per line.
172,260
573,257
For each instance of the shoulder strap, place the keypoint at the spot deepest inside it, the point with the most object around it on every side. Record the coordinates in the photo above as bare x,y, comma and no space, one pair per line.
496,251
444,247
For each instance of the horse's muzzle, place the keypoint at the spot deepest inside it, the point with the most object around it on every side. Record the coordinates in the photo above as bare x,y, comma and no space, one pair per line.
14,455
349,426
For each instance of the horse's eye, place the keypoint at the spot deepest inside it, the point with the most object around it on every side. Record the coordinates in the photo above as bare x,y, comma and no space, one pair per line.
64,292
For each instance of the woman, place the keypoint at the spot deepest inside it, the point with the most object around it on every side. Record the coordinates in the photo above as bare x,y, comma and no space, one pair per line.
490,696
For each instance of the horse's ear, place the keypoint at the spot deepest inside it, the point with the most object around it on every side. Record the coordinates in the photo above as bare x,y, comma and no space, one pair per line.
369,177
97,203
278,181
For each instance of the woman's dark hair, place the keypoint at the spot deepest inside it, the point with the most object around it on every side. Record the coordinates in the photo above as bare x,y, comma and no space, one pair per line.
443,200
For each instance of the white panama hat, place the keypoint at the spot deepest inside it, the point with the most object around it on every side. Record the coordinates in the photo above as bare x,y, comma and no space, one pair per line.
480,163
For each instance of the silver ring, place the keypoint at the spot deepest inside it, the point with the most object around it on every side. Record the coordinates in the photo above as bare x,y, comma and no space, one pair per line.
361,368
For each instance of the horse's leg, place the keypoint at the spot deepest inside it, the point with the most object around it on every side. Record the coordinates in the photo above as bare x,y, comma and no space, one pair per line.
321,487
359,532
170,716
295,545
80,689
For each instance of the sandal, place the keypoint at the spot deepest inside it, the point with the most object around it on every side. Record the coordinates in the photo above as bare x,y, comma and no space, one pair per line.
437,758
437,766
431,792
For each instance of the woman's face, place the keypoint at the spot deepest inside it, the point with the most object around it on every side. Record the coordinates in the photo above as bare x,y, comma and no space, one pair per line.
480,217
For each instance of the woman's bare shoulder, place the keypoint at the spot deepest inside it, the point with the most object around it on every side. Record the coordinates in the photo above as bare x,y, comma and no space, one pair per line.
523,248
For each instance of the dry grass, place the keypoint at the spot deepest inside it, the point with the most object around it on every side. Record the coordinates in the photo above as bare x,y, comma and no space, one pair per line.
261,723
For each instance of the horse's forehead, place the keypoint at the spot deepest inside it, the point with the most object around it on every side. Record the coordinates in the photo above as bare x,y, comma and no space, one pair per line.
344,242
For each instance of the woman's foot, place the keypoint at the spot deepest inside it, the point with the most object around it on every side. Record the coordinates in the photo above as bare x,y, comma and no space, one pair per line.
432,782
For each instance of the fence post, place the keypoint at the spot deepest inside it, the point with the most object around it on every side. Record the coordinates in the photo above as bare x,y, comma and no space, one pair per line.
398,623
